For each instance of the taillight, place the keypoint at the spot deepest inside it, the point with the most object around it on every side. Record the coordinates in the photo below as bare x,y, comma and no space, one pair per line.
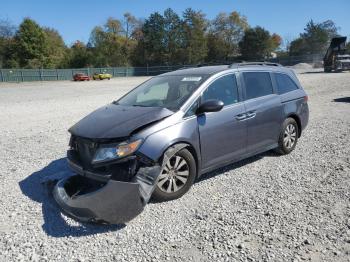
306,98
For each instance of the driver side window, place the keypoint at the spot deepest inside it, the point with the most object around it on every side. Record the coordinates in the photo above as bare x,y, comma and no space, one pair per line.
224,89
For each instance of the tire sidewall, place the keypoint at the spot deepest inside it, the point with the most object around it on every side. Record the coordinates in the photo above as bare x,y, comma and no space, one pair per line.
282,148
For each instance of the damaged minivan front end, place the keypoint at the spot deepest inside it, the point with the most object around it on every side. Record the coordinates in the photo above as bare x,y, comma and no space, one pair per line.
112,193
113,181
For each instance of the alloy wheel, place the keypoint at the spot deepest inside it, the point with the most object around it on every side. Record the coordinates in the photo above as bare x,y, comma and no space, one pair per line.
174,175
290,135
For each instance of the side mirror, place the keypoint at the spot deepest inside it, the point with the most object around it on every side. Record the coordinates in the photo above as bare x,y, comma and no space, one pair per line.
212,105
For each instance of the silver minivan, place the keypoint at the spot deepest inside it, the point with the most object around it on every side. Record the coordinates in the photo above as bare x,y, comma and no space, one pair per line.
158,138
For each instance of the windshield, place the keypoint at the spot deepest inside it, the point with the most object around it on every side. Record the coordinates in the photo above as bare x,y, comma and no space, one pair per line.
163,91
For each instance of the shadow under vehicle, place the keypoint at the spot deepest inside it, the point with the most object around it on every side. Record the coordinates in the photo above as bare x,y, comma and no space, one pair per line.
335,58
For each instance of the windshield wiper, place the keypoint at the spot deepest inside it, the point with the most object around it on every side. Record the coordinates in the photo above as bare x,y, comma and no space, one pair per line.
141,105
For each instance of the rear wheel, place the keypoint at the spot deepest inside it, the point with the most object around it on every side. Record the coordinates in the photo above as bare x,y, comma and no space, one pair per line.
327,70
288,137
177,177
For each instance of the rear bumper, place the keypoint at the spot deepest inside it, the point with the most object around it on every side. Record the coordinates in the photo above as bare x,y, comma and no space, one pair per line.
304,116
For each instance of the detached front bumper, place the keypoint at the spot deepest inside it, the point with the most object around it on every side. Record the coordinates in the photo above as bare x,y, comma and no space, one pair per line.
99,197
112,202
102,197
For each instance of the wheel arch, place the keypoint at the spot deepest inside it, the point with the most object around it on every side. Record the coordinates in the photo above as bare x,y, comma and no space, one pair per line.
297,119
181,145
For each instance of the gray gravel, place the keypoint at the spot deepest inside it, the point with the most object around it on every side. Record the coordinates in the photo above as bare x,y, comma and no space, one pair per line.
287,208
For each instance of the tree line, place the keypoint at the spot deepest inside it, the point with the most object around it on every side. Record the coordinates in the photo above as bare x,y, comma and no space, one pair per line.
162,39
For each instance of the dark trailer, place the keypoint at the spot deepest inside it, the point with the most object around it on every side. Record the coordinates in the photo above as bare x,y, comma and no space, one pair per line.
335,58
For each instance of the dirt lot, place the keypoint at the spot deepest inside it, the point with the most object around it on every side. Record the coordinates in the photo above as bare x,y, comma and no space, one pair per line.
287,208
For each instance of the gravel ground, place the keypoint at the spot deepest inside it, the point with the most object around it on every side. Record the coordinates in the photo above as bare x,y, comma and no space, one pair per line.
269,208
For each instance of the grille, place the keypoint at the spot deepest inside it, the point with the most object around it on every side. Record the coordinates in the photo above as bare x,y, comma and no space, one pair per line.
85,148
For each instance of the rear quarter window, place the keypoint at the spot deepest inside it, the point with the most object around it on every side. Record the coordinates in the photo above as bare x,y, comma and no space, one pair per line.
257,84
284,84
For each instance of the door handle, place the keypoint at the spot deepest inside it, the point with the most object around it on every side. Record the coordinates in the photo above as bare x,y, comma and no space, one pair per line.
251,114
241,117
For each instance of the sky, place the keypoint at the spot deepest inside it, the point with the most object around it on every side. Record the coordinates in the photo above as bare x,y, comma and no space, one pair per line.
74,19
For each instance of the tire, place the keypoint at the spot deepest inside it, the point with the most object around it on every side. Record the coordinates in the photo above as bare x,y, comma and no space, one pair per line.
160,194
327,70
109,78
288,138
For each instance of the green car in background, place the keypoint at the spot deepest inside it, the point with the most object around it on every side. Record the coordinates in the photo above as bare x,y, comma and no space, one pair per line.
101,76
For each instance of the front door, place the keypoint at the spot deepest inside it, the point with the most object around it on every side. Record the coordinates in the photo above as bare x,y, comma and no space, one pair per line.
223,133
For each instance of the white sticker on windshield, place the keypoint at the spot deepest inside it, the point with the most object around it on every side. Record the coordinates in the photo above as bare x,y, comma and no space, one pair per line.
191,79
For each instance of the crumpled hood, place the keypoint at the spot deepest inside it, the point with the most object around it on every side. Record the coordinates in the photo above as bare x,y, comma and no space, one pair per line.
116,121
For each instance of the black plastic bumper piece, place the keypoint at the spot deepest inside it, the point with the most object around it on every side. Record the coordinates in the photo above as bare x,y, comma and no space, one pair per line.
90,196
113,202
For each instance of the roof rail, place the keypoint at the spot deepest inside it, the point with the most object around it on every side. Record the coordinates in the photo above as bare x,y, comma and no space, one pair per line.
254,63
202,65
190,66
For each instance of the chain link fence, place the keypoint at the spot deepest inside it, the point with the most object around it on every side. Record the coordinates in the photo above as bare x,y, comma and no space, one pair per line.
24,75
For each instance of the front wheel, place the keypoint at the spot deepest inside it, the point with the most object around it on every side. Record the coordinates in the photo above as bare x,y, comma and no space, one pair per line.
176,178
288,137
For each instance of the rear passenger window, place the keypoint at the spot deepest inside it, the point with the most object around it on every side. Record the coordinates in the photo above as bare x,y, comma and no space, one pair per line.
284,84
224,89
257,84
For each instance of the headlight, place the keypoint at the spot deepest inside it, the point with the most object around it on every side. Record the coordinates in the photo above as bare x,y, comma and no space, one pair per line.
106,153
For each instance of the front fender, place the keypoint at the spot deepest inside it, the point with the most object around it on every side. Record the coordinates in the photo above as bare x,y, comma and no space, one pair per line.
157,143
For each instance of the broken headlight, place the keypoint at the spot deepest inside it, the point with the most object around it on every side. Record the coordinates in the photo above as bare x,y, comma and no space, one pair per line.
110,152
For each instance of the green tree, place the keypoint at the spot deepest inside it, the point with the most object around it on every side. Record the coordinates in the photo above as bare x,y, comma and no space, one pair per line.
114,26
225,32
173,38
7,45
161,40
132,28
315,38
195,40
32,45
276,41
79,56
256,44
130,25
152,42
56,49
109,45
